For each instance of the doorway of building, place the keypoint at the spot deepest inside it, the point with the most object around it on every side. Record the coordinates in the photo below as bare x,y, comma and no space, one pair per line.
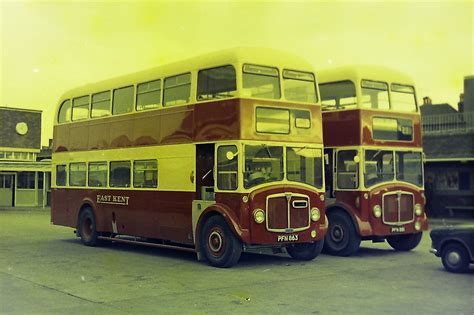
7,190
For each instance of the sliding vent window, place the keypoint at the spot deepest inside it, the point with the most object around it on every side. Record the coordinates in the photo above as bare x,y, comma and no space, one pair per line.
101,104
177,90
216,83
145,174
374,95
123,100
80,108
261,82
403,98
97,174
77,174
338,95
299,86
149,95
65,112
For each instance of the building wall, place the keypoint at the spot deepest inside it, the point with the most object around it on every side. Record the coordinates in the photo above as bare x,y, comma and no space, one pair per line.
449,184
469,93
12,128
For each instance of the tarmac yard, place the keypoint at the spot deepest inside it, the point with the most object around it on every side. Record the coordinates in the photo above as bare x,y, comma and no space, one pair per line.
45,269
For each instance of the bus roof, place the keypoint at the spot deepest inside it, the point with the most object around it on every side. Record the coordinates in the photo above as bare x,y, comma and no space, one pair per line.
239,55
356,73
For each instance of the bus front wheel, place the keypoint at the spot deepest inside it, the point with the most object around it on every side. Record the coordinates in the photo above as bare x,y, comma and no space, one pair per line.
342,238
219,244
305,251
404,242
87,227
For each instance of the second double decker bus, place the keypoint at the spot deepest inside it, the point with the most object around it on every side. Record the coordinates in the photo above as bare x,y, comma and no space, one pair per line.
215,155
372,134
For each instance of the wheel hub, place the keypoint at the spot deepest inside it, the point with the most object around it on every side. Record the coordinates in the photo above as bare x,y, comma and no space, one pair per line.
337,233
215,241
454,258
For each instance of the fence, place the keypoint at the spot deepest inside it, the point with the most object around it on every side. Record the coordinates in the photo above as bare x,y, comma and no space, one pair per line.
448,123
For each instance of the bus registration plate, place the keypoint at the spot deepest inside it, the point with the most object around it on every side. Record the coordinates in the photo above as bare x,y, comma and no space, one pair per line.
397,229
287,238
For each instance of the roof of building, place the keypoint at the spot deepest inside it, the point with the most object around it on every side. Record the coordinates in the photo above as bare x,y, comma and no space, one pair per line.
437,109
20,109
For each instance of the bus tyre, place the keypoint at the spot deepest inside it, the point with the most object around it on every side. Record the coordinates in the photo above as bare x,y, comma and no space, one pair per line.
342,238
219,244
455,258
305,251
405,242
87,227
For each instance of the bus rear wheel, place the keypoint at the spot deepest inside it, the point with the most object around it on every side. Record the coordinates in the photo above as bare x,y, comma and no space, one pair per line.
406,242
342,238
219,244
87,227
305,251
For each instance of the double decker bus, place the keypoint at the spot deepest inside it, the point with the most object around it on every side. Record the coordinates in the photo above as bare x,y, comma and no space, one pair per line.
374,180
216,155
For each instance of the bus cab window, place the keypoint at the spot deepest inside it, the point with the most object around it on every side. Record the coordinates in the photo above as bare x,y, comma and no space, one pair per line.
227,167
347,169
216,83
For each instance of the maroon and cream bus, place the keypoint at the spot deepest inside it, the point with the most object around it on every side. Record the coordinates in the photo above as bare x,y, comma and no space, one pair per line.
215,155
374,180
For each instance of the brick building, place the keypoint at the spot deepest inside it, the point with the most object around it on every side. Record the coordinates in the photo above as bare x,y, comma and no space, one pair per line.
24,178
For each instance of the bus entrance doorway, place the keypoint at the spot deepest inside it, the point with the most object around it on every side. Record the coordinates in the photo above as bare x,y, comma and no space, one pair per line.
204,171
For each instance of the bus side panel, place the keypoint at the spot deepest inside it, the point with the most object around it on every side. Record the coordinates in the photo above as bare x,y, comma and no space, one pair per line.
217,120
152,214
60,214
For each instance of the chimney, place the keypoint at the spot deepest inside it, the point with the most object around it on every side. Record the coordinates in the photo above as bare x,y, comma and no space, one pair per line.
427,100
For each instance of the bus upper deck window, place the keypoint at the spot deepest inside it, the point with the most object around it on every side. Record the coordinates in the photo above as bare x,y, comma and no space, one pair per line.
100,104
65,112
374,95
149,95
261,82
177,90
123,100
216,83
80,108
338,95
402,98
299,86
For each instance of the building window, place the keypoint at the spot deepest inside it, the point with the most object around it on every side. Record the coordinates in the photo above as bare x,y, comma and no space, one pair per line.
120,174
216,83
177,90
123,100
100,104
149,95
97,174
80,108
145,174
77,174
26,180
61,175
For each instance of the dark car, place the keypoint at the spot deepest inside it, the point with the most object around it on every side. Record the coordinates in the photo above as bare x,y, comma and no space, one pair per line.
455,246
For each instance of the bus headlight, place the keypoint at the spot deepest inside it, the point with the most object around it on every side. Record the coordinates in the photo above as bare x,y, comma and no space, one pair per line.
259,216
418,209
315,214
417,225
377,210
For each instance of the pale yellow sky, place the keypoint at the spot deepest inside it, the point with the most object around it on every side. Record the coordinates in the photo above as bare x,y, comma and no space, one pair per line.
48,47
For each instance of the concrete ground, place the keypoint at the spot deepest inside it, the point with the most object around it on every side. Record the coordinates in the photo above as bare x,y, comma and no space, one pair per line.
44,269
